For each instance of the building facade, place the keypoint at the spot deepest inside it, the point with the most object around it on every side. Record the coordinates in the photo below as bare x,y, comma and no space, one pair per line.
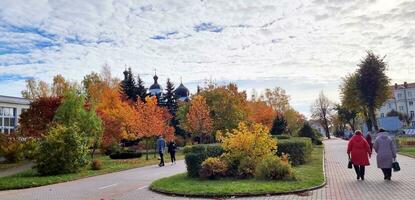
402,100
10,110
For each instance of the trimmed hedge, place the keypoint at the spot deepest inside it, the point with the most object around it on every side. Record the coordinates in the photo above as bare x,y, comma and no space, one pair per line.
125,155
196,154
281,137
298,148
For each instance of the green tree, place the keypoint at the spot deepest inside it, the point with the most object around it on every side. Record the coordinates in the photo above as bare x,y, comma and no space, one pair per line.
308,131
128,86
279,125
348,116
170,99
372,84
141,90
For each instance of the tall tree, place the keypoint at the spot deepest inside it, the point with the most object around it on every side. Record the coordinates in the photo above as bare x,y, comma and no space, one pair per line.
198,121
36,89
92,85
279,125
373,84
277,99
346,115
295,120
60,86
260,112
128,86
169,98
141,89
321,112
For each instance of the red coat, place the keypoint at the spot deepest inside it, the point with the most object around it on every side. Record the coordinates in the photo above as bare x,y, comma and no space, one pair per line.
359,150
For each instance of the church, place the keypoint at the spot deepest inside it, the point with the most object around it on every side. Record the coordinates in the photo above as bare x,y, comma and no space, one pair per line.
181,92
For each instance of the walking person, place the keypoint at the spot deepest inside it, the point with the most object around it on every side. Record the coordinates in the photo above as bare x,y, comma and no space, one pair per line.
369,141
161,145
171,148
359,152
386,153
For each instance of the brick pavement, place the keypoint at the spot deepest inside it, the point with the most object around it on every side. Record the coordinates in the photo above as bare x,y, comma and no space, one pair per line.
132,184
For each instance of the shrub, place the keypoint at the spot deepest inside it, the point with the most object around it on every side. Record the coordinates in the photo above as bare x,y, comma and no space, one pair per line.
96,165
213,168
214,150
298,149
281,137
29,147
63,150
273,168
246,168
308,131
125,155
193,163
11,147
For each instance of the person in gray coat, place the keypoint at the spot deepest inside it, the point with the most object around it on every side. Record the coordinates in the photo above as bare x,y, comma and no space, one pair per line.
386,153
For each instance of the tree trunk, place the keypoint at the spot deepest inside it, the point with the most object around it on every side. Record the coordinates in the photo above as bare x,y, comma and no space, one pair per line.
146,149
368,121
373,118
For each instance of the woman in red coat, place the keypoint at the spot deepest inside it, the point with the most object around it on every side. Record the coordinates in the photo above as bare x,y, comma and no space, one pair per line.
359,153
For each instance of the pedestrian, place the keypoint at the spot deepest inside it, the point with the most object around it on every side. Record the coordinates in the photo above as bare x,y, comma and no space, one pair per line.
386,153
359,152
161,145
369,140
171,148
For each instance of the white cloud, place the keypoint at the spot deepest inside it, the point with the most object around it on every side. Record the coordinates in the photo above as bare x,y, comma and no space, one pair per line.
299,45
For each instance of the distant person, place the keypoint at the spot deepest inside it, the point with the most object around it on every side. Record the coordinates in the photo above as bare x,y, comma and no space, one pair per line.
359,152
369,140
161,144
171,148
386,150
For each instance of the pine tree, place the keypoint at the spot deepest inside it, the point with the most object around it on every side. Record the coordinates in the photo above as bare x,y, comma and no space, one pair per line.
279,125
170,99
141,89
128,87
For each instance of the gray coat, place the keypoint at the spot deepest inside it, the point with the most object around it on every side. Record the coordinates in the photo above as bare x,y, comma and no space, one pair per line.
385,149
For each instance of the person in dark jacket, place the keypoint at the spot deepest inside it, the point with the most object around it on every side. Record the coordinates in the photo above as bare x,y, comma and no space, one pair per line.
369,141
161,145
386,153
359,152
171,148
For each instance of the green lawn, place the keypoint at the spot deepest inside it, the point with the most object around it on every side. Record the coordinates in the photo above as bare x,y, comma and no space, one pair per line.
407,150
307,176
30,178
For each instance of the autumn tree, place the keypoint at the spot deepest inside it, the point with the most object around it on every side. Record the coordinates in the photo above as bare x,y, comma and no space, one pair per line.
36,89
34,121
372,84
60,85
321,111
277,99
279,125
198,121
260,112
295,120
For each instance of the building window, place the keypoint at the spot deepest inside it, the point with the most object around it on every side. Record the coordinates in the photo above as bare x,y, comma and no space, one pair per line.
409,94
382,115
399,95
7,119
401,108
389,105
411,103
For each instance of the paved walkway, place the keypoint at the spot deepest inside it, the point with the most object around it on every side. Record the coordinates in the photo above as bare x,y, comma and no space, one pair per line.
133,184
15,170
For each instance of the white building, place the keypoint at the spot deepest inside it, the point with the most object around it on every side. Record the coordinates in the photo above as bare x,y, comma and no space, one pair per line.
402,100
10,110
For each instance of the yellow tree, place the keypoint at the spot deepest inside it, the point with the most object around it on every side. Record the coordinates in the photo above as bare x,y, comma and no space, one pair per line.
60,85
198,121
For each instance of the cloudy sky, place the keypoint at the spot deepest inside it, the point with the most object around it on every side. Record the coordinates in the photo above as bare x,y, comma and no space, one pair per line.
301,46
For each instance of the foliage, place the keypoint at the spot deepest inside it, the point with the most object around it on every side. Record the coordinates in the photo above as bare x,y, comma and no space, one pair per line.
347,115
196,154
227,105
125,155
277,99
11,148
141,89
321,111
34,121
297,149
93,86
128,86
193,163
198,121
260,112
60,86
279,125
63,150
96,165
273,168
308,131
372,84
294,119
281,137
170,99
213,168
36,89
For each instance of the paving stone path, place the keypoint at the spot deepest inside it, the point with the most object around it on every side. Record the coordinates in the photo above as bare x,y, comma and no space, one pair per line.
133,184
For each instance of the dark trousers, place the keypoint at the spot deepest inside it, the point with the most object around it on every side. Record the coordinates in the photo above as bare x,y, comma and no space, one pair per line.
360,170
387,172
173,156
161,158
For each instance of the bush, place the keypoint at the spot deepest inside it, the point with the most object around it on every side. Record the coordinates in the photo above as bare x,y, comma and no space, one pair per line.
246,168
298,149
125,155
29,147
213,168
193,163
11,147
63,150
96,165
308,131
273,168
281,137
214,150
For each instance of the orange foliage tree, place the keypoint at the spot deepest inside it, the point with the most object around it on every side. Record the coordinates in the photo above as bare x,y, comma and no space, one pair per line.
198,121
260,112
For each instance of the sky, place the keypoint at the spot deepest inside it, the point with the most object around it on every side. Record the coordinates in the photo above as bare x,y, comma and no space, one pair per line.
301,46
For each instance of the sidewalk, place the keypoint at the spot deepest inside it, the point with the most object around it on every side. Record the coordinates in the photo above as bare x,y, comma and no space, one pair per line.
15,170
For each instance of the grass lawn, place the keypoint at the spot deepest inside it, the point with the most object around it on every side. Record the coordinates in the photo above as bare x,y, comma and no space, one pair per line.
407,151
308,175
30,178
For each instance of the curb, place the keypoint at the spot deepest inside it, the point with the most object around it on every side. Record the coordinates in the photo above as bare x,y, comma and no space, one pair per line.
251,194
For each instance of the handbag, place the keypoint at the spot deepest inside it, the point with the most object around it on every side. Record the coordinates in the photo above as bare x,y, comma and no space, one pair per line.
395,166
350,165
